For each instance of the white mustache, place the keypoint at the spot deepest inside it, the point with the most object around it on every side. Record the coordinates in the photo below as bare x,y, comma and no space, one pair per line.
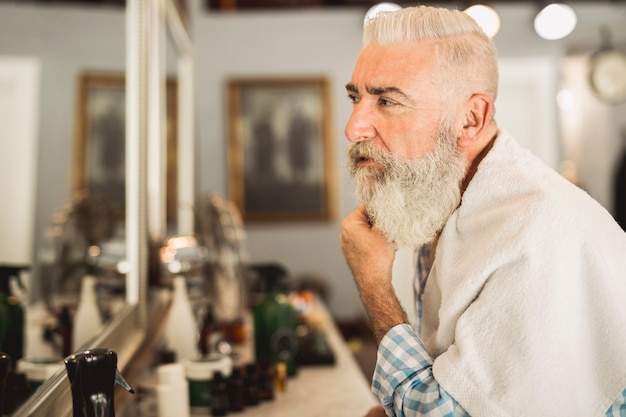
364,151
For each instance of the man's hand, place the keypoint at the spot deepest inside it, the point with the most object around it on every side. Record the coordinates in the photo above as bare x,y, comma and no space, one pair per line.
376,411
370,257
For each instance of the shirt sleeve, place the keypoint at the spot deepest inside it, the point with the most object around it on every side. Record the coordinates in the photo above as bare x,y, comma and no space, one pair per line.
618,409
403,378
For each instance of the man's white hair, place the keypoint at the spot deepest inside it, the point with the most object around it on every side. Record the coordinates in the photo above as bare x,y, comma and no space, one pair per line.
466,56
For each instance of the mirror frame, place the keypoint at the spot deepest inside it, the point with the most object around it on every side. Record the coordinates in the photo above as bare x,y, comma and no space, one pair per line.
146,22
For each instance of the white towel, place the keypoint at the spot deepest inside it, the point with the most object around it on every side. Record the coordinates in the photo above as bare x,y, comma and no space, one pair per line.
525,307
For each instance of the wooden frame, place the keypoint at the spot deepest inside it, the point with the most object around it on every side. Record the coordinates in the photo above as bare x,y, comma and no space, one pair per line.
280,151
99,152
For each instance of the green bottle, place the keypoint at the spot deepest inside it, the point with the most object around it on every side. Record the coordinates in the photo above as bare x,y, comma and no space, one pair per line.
11,314
275,338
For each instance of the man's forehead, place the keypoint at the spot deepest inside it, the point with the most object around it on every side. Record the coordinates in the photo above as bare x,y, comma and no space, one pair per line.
395,65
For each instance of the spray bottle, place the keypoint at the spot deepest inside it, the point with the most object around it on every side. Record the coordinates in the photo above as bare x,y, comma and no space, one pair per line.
180,329
87,319
11,313
93,374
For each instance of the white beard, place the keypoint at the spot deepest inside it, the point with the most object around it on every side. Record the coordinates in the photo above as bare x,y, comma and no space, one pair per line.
409,200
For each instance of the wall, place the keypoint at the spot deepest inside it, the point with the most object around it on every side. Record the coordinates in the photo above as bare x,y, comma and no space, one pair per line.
588,130
282,43
302,43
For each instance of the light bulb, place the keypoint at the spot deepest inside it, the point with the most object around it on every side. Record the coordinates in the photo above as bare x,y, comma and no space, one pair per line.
486,17
555,21
379,8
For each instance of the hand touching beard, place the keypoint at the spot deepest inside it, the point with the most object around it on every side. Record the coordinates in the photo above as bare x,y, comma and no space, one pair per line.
409,200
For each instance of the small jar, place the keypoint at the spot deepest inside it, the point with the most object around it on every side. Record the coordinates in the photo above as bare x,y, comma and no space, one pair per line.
199,372
172,392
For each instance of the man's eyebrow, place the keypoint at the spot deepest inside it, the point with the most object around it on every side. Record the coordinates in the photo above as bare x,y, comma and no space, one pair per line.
376,91
379,91
352,88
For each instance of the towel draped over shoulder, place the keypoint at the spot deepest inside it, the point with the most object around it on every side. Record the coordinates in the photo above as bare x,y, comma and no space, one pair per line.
525,306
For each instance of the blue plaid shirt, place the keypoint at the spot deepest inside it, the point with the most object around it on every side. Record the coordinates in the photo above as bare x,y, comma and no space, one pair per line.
403,378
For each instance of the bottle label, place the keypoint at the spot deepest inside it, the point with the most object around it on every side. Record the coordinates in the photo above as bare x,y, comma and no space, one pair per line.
284,344
200,394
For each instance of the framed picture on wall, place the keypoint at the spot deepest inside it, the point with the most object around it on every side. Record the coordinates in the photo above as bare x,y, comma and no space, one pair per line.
99,152
280,157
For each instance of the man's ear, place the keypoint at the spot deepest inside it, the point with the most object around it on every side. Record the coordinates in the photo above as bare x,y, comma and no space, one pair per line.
478,114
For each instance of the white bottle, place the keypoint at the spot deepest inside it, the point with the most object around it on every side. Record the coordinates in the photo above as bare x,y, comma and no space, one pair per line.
172,391
87,319
180,328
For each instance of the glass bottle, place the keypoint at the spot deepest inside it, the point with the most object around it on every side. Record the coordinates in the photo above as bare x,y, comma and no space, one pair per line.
251,386
275,339
219,395
235,390
12,317
266,382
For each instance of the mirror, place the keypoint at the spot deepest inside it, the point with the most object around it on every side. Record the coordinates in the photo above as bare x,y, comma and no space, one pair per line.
56,48
43,29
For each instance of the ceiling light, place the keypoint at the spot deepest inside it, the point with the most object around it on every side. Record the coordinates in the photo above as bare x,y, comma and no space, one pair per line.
379,8
555,21
486,17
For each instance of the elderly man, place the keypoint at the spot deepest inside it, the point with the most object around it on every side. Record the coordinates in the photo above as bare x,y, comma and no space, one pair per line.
521,289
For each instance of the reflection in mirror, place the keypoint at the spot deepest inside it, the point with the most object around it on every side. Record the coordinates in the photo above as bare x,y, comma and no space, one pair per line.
63,232
19,92
126,330
181,48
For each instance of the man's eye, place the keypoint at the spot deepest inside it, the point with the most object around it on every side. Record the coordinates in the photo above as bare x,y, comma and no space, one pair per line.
354,99
385,102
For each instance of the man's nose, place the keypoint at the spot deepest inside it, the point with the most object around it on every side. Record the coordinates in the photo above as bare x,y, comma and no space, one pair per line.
359,126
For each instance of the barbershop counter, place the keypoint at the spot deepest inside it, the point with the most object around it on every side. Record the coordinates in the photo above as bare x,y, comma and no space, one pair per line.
337,390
